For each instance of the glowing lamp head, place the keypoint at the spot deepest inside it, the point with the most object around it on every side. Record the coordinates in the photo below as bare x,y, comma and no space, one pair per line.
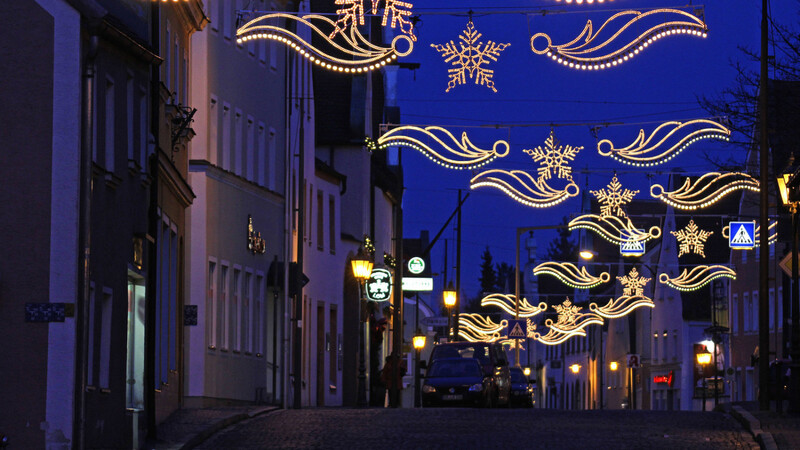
419,341
361,265
449,295
784,189
587,254
704,358
527,371
575,368
613,365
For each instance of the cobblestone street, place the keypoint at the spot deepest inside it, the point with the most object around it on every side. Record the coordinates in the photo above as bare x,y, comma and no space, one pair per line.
435,428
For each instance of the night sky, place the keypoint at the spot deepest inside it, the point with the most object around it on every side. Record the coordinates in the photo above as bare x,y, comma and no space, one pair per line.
534,93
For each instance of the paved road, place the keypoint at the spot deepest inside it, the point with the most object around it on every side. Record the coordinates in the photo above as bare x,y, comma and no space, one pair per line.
465,428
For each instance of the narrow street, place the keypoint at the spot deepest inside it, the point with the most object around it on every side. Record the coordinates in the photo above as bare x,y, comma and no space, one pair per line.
441,428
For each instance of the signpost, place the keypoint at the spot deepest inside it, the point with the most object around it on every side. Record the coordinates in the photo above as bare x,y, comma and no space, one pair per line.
742,235
434,321
517,329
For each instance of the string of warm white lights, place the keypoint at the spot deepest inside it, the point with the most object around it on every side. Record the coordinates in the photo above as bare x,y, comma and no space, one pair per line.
647,151
697,277
614,198
613,229
571,322
632,297
506,302
454,154
476,328
707,190
773,232
691,239
571,275
469,58
580,52
357,55
524,188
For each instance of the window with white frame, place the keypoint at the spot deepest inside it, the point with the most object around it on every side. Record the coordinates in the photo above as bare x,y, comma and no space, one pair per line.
109,128
225,158
130,116
258,315
247,294
676,345
747,309
734,312
771,310
235,315
754,314
250,151
238,144
143,125
211,337
272,160
261,159
222,307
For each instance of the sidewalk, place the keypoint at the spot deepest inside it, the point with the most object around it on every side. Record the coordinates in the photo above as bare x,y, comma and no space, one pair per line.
772,430
187,428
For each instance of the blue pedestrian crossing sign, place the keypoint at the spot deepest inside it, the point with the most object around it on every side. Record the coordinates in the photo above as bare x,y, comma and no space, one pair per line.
630,246
742,235
517,329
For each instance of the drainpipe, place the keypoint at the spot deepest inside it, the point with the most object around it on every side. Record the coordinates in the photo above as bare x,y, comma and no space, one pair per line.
84,275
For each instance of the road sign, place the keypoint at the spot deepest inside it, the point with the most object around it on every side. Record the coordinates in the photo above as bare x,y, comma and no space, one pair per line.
742,235
786,264
416,265
418,284
433,321
630,247
633,360
379,285
517,329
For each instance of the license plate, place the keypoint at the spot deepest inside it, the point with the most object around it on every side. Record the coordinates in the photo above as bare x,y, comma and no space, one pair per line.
452,397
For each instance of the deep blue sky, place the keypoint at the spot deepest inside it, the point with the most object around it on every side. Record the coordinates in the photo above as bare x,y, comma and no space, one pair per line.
662,83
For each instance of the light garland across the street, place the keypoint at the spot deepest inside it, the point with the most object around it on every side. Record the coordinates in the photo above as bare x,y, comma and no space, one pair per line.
646,151
589,52
356,54
571,275
506,302
524,188
632,297
697,277
613,229
691,239
449,152
469,58
706,190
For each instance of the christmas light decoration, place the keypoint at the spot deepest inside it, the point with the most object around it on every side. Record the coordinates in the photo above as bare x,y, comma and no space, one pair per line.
588,2
352,11
613,229
707,190
469,58
652,150
632,297
522,187
571,275
355,55
554,158
571,322
590,52
773,232
448,151
691,239
507,302
699,276
476,328
613,200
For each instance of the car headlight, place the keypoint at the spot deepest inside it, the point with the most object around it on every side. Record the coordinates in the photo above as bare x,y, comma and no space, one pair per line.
428,389
476,387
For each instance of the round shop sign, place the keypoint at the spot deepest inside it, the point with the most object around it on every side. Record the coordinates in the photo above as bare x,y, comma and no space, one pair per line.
379,285
416,265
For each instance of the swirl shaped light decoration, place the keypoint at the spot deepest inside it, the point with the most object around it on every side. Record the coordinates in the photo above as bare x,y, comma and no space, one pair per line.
355,54
773,232
592,50
524,188
571,322
664,143
571,275
632,297
614,229
474,327
449,152
706,190
697,277
506,302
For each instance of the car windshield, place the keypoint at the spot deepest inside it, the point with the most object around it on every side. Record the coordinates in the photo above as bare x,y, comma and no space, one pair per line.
518,377
481,353
454,368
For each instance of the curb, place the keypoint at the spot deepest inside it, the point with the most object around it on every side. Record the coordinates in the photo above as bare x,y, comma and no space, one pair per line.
764,439
200,437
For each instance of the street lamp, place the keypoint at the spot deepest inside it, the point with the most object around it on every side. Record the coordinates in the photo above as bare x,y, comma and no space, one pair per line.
362,268
704,359
419,343
527,371
787,187
613,365
575,368
450,299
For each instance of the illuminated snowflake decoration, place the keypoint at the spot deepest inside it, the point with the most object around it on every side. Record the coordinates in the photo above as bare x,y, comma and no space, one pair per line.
351,14
554,158
469,58
691,239
567,312
633,284
613,199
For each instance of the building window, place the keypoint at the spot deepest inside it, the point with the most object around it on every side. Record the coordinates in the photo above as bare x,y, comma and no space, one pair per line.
655,346
332,223
134,391
222,307
225,159
332,345
272,161
250,151
211,334
104,349
130,116
734,313
771,309
238,144
261,159
665,355
93,327
754,314
747,309
246,313
676,345
235,316
780,308
143,141
258,313
320,221
109,125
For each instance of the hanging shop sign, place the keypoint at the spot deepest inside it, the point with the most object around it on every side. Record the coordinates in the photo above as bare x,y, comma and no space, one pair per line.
255,243
417,284
663,379
416,265
379,285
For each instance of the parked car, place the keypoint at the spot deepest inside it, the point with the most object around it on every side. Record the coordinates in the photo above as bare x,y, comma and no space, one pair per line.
456,381
492,359
521,389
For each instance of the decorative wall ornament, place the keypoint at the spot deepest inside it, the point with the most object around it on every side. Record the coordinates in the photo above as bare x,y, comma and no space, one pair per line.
506,302
706,190
554,158
632,297
524,188
613,200
350,53
594,51
691,239
699,276
255,243
352,11
440,146
773,232
470,58
571,275
614,229
665,142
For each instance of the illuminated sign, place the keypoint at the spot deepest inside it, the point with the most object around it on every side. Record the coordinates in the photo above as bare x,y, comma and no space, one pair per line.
416,265
417,284
379,285
663,379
